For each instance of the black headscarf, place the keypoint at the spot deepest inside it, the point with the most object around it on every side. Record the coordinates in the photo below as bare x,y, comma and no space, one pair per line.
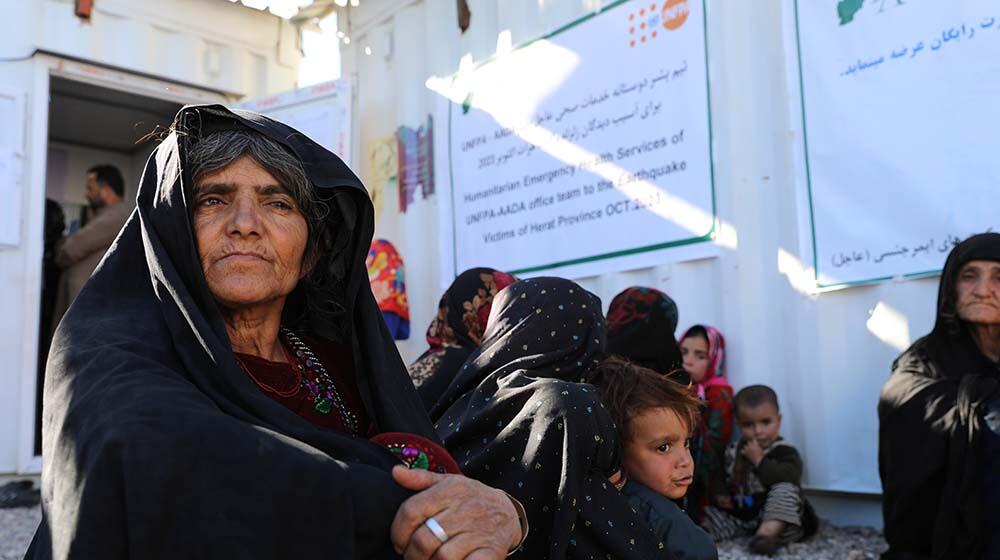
456,330
157,445
517,418
930,420
641,328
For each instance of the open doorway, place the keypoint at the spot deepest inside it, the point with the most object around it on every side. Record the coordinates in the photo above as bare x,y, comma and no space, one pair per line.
89,125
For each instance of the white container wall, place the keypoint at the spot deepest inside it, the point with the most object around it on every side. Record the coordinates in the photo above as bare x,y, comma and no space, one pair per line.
827,355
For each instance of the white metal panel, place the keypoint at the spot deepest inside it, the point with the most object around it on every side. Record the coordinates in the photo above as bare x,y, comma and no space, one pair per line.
14,95
208,44
20,269
11,162
320,111
827,355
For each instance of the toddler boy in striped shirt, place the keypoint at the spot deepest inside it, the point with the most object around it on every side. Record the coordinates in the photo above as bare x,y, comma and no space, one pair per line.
763,478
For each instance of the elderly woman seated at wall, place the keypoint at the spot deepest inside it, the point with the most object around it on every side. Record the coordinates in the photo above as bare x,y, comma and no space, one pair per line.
225,386
939,432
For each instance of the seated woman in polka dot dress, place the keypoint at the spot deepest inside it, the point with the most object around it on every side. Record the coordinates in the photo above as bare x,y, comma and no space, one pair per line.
519,418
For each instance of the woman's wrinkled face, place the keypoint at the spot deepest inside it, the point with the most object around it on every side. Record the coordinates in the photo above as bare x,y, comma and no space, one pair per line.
694,352
250,233
978,290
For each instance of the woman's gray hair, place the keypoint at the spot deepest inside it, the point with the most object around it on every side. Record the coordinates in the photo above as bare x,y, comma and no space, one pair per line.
219,149
323,277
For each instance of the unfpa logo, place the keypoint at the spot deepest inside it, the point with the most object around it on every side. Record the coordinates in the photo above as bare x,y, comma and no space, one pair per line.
646,23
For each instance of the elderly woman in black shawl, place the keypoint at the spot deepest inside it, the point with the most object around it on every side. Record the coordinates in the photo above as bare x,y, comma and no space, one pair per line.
456,330
518,417
937,419
213,390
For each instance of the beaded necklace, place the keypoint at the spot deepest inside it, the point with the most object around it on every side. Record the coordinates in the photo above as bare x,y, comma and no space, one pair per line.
320,386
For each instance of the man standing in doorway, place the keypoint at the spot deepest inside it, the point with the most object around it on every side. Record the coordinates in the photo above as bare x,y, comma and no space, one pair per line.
81,252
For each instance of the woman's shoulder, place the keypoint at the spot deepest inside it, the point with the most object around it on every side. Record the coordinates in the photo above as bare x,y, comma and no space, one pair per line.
566,392
916,381
915,360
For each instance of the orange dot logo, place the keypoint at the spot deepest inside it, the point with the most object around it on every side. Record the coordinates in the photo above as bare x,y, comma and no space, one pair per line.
675,13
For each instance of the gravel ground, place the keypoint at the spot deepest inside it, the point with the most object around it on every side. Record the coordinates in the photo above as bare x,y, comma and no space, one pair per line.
831,543
17,526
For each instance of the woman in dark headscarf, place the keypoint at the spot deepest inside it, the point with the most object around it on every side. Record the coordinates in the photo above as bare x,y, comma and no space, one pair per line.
456,330
934,418
517,417
641,326
212,392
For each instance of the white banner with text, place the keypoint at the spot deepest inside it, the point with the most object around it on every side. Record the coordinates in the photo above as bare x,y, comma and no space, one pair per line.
587,151
899,108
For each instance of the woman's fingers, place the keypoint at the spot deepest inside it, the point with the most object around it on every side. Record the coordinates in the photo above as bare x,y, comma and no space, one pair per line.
466,547
472,514
423,544
411,515
485,554
483,518
415,479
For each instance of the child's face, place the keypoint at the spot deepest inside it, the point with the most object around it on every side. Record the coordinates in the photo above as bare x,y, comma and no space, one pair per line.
761,423
657,454
694,351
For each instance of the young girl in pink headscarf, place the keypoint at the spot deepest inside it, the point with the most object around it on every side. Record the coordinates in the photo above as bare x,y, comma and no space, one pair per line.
703,353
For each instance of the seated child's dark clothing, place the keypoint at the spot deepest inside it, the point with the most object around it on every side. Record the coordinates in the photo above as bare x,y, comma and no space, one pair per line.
771,491
682,539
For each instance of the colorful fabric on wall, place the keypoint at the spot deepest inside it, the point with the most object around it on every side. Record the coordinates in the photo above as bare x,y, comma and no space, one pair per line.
387,277
416,163
383,166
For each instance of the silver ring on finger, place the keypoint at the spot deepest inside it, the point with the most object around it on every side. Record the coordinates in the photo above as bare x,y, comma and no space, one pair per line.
436,529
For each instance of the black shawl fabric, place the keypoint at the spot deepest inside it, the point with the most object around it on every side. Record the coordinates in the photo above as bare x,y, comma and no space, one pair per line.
517,418
930,422
157,445
641,328
456,330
